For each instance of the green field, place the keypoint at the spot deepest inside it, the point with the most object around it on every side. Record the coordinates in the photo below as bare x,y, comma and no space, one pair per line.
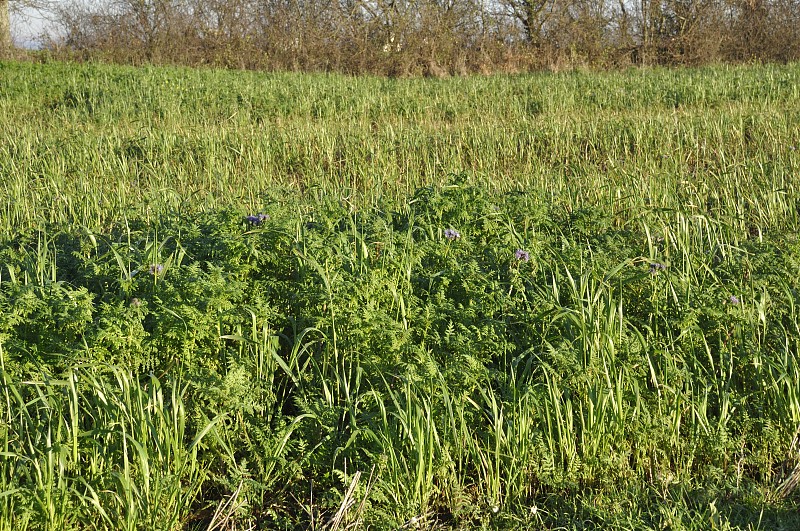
234,300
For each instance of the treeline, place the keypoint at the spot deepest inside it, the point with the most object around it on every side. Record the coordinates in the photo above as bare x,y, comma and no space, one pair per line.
430,37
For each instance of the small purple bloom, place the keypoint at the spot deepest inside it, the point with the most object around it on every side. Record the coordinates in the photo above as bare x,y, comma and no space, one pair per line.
734,299
655,267
522,255
257,219
156,269
452,234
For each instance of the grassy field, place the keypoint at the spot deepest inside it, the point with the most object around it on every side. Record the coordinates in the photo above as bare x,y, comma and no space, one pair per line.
234,300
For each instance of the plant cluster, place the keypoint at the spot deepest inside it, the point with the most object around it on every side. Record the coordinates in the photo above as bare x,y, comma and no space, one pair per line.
482,358
235,300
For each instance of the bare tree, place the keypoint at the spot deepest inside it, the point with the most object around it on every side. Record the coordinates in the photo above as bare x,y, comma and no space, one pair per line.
7,7
5,28
532,15
431,37
132,30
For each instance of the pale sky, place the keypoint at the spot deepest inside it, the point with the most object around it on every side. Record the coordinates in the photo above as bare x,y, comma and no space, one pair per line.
27,26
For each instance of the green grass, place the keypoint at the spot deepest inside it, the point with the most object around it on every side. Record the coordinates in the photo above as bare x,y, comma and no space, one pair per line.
168,364
88,143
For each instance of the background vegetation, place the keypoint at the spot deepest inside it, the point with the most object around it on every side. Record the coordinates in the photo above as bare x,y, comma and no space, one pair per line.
259,301
419,37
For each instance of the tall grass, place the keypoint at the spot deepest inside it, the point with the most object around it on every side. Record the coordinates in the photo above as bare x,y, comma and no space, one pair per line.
91,143
111,451
552,301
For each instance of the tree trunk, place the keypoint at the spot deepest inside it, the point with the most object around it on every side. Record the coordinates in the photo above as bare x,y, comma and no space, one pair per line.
5,30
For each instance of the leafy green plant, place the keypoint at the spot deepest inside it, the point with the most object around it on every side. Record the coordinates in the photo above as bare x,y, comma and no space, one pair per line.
235,317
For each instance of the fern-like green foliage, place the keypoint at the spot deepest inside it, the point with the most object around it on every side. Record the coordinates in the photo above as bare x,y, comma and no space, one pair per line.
479,353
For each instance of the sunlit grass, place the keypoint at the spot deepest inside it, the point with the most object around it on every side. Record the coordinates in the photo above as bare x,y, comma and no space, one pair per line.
547,301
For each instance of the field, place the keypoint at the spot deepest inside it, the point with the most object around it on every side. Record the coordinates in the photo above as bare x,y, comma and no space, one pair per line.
234,300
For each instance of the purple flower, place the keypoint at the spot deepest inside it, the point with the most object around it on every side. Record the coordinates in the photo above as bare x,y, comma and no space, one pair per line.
452,234
734,299
257,219
522,255
655,267
156,269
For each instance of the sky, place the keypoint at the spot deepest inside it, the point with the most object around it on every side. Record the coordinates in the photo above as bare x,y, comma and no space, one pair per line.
26,27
